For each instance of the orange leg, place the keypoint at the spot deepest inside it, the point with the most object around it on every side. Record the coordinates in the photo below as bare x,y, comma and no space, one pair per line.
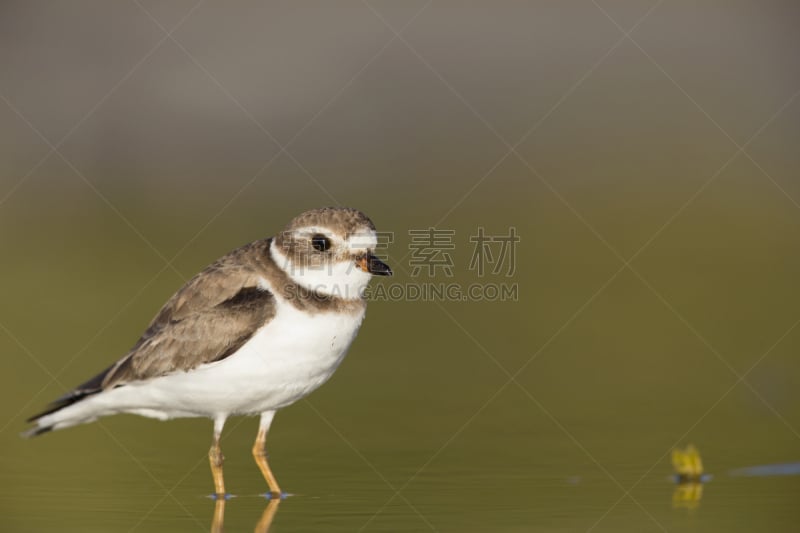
215,459
260,453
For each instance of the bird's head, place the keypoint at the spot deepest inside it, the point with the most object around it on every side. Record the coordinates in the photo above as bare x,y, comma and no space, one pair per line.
331,251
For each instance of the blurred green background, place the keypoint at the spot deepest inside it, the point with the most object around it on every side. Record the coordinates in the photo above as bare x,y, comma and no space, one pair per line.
654,182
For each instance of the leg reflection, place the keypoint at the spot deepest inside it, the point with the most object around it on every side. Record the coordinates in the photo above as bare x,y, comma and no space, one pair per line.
263,524
219,516
267,516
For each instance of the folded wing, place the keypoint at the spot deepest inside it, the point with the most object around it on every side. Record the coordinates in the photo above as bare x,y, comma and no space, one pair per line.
207,320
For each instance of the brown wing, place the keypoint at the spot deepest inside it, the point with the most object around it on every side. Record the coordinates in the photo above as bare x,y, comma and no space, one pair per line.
210,318
207,320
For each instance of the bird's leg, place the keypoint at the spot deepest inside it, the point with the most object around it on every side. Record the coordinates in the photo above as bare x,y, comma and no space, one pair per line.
260,453
215,459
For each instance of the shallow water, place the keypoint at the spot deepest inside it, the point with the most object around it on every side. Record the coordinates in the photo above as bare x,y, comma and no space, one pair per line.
141,475
494,500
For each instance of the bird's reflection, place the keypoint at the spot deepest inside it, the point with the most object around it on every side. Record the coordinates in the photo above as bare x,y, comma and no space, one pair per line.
263,524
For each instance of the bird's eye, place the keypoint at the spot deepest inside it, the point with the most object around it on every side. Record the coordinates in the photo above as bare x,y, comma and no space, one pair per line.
320,242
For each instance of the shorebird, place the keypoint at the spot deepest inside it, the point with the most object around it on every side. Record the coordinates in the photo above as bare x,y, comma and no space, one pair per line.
255,331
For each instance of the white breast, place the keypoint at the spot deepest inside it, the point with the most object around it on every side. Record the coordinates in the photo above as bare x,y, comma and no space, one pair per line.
292,355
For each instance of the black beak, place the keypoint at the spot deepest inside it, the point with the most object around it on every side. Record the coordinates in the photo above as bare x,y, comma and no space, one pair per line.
373,265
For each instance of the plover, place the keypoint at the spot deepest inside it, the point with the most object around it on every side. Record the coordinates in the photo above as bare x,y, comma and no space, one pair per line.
255,331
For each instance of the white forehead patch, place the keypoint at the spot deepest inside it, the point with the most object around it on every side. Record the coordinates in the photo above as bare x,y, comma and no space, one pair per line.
311,230
363,240
360,241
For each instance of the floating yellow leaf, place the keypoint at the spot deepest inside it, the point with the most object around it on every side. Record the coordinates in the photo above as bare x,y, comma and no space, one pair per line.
687,464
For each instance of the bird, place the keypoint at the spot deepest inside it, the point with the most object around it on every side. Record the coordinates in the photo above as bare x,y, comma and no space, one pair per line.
255,331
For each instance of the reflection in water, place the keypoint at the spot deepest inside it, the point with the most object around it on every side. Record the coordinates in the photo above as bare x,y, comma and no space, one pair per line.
687,494
783,469
219,516
263,524
267,516
688,467
689,475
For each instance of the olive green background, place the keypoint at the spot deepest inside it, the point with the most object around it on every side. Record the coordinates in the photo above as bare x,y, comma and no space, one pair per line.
654,181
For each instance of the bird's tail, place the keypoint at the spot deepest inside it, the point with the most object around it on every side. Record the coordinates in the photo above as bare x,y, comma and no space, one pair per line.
53,416
35,431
